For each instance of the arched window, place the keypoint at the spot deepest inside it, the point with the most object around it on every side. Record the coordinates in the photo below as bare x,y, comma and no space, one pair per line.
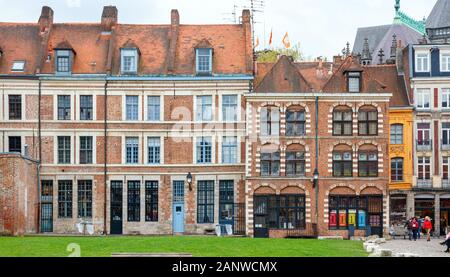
368,121
270,161
270,121
397,134
295,160
342,161
397,170
295,121
368,161
342,121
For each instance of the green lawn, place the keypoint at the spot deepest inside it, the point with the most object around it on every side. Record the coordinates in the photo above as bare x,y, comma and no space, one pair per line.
197,246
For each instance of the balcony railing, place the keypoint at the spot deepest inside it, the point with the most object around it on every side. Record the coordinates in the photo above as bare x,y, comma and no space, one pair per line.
445,183
424,184
445,145
424,145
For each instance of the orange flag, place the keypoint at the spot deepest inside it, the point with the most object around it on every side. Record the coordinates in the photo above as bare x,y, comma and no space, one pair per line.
257,42
271,37
286,40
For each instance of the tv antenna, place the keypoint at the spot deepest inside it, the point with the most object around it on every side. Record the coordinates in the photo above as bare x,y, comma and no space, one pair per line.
233,16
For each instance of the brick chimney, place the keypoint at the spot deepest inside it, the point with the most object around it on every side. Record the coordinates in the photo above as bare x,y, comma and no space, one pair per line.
109,17
247,25
46,19
174,31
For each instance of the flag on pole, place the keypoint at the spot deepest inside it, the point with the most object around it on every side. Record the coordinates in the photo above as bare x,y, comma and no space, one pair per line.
286,41
271,37
257,42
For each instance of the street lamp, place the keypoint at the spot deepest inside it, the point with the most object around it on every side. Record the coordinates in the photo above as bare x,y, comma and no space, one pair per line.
189,180
315,178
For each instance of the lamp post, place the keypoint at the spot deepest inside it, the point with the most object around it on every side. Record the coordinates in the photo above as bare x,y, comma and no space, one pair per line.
189,181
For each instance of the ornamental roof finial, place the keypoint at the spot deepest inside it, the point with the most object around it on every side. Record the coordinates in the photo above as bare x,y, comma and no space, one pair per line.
397,6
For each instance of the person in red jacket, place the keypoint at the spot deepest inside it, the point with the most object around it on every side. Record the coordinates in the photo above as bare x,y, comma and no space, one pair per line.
427,226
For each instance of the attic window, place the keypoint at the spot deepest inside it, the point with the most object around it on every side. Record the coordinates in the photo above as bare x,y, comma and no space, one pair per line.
18,66
354,81
204,61
129,61
63,61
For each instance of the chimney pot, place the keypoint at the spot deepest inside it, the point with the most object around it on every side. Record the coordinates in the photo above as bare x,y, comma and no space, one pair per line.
109,17
175,17
46,18
246,17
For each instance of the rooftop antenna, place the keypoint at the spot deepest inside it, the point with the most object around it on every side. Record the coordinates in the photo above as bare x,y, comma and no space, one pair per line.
233,16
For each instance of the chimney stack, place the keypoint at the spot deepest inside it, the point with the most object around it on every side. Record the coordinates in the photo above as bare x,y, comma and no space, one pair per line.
174,18
174,32
109,17
46,19
249,53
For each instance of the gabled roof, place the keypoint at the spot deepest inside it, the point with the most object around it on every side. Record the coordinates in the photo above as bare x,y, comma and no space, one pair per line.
439,16
283,77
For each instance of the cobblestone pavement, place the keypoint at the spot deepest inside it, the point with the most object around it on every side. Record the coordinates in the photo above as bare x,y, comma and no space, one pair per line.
420,247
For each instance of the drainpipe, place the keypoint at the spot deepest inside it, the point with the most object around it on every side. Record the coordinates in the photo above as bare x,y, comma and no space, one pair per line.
105,151
316,170
40,157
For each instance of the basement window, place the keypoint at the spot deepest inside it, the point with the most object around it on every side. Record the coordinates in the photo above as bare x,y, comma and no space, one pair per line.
18,66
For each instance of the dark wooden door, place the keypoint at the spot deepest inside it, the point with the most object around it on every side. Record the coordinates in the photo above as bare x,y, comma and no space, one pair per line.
116,208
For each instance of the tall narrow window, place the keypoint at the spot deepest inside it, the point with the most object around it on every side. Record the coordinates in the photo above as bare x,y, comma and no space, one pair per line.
397,170
204,60
151,201
368,121
154,150
397,134
65,199
86,150
229,150
229,108
423,99
153,108
342,121
422,62
85,198
354,81
204,108
226,201
63,61
64,150
424,168
446,134
15,107
270,121
423,134
86,107
445,62
204,150
270,163
205,202
15,144
129,61
295,163
63,107
132,150
445,104
445,168
134,201
295,122
132,107
342,161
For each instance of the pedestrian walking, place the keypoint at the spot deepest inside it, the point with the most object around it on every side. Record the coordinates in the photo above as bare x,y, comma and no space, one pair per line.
447,243
428,226
408,226
415,228
419,231
392,231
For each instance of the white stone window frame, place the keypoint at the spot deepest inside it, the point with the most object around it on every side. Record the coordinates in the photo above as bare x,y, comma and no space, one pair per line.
161,107
72,148
417,57
22,136
238,107
123,54
124,149
124,107
444,54
238,148
94,147
444,93
213,106
94,106
23,106
420,93
161,149
72,106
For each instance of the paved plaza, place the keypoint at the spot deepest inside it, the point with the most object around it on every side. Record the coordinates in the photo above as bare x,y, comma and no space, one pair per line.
420,247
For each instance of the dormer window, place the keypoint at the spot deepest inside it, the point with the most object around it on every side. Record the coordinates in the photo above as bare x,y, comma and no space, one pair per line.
204,61
18,66
63,61
423,62
354,81
129,61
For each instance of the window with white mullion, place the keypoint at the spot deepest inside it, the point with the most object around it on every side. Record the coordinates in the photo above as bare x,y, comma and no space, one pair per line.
129,60
204,150
229,150
423,99
132,150
422,62
204,108
132,107
446,133
204,60
86,149
153,108
229,107
445,62
445,98
64,150
154,150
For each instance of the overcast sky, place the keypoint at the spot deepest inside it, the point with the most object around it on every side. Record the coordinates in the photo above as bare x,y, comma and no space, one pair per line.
322,27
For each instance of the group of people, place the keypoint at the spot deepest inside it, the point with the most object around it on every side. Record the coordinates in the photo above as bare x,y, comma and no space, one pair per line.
415,226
